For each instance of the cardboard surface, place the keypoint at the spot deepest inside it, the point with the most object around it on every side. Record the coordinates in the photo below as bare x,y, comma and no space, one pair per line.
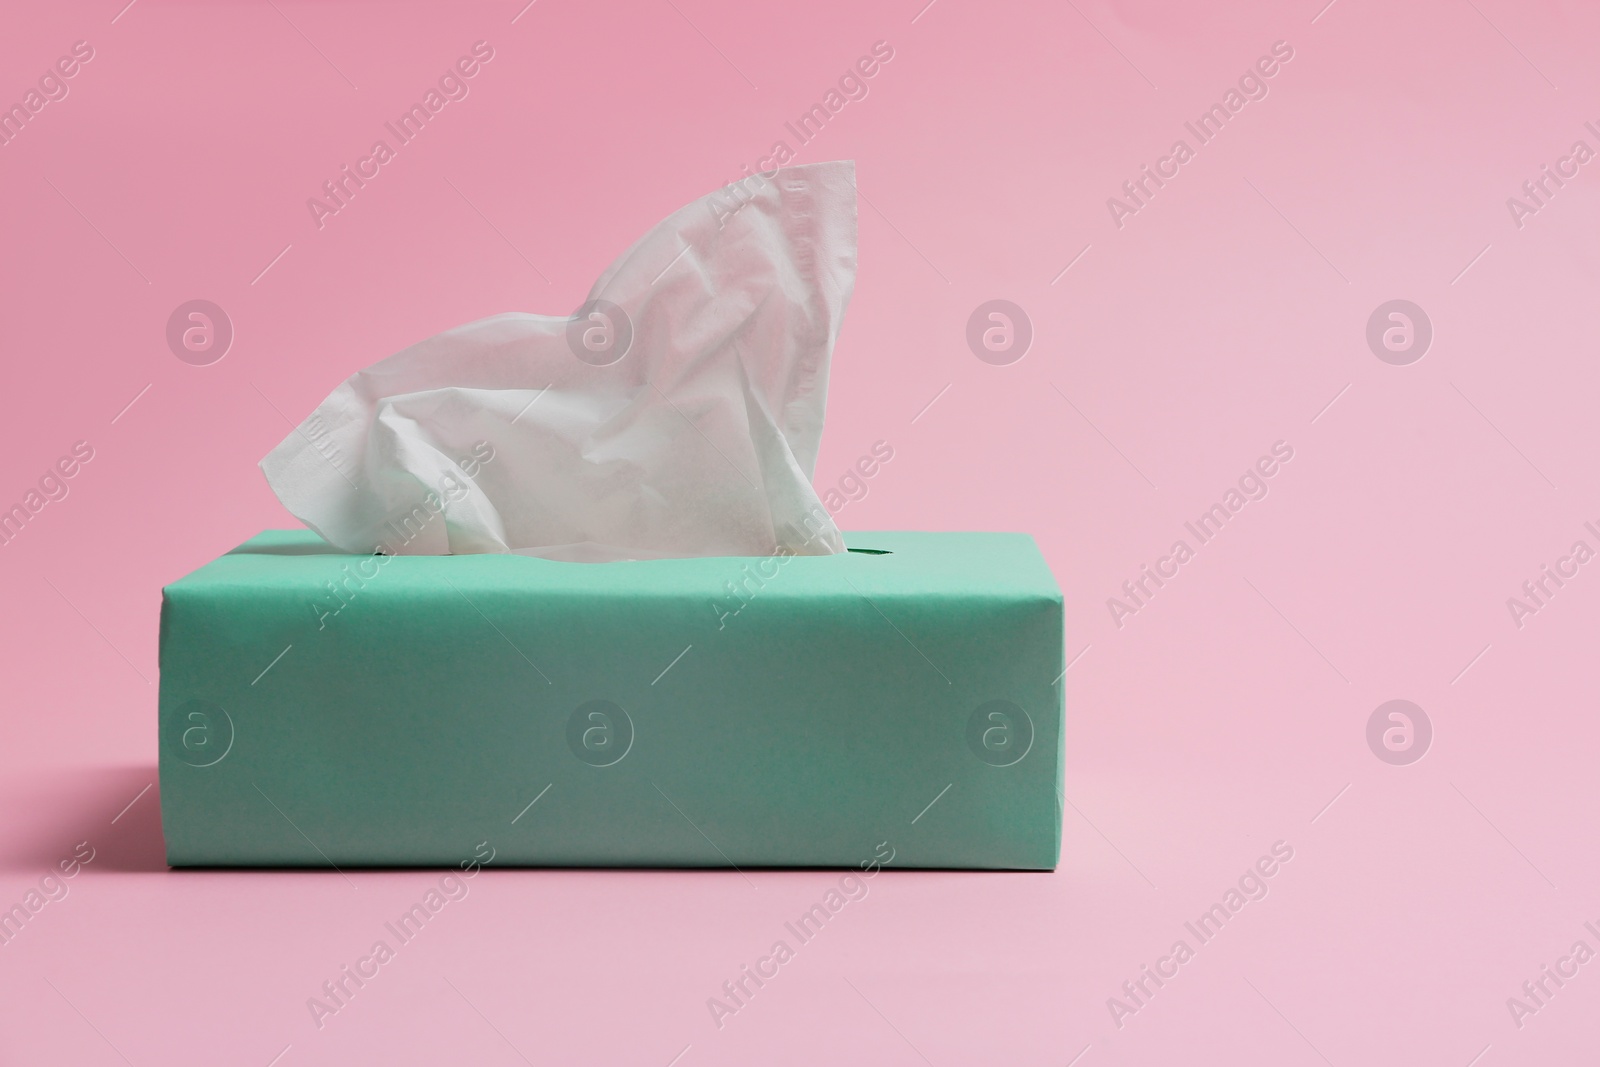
319,708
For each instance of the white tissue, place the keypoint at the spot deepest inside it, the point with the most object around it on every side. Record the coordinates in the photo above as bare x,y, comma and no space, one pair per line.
699,440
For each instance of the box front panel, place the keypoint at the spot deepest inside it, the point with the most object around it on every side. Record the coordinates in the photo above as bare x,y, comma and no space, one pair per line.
806,729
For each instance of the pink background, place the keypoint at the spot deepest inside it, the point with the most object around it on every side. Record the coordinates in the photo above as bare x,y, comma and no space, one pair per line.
1228,314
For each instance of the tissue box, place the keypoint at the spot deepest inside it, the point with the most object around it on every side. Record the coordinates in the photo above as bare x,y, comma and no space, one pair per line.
324,709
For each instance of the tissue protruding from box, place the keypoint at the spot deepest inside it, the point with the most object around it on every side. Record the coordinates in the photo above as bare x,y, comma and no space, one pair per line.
677,413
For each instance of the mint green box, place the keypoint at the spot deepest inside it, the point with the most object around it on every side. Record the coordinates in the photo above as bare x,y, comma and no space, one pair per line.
321,709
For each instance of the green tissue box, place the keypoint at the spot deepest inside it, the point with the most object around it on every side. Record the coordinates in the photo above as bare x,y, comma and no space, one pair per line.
323,709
